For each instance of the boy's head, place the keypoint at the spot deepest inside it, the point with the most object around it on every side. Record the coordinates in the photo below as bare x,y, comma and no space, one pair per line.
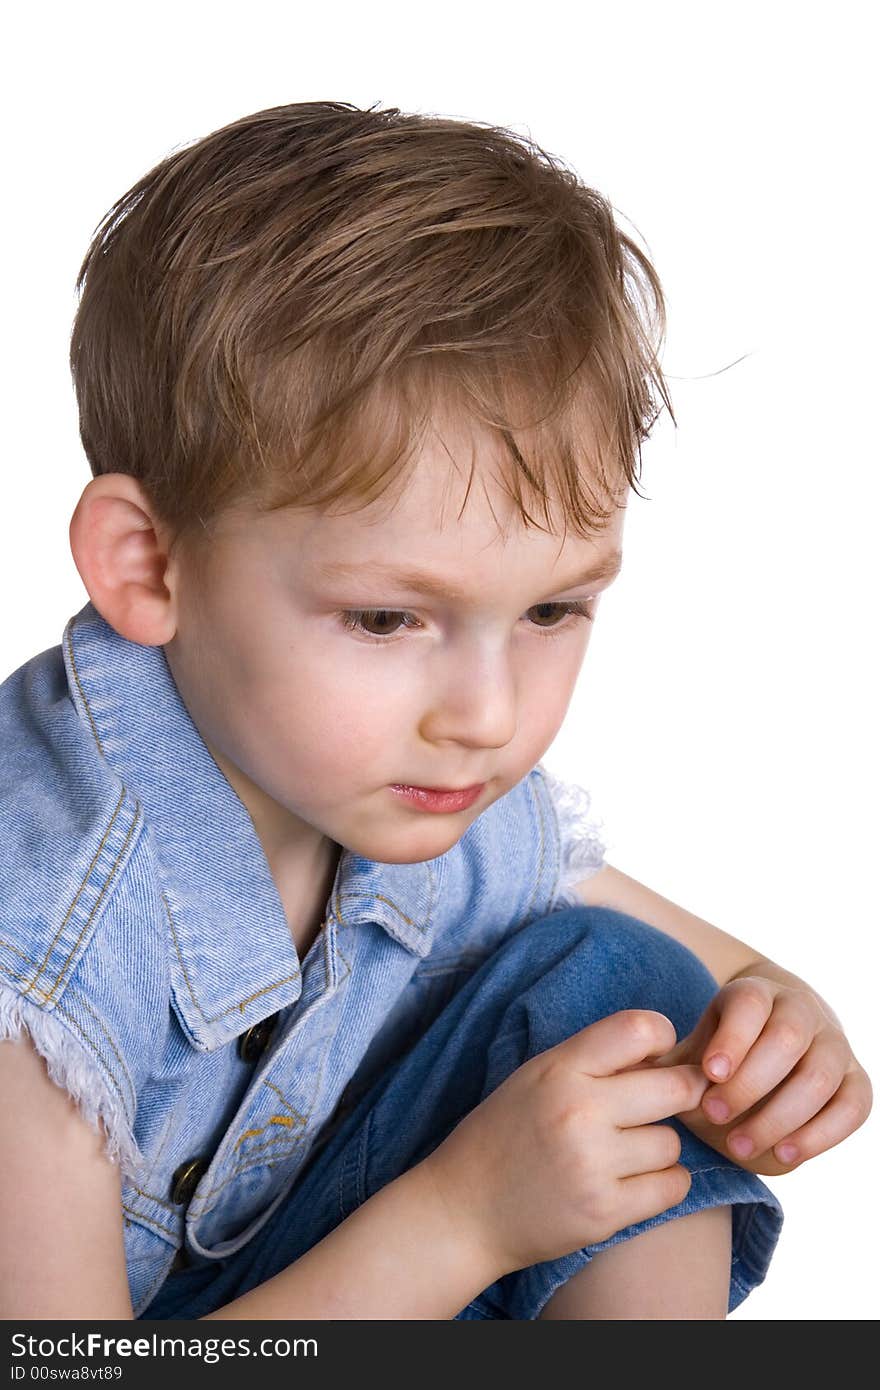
325,336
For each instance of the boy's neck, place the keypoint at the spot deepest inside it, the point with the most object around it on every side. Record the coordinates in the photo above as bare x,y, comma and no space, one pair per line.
301,860
304,891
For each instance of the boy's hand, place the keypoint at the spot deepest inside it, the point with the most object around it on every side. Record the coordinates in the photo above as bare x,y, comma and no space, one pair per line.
567,1149
789,1085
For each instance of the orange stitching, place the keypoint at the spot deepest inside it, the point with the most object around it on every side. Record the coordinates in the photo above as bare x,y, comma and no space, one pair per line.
99,1054
240,1006
380,897
297,1114
273,1120
295,1117
266,1148
346,962
100,896
150,1221
81,999
97,854
80,689
162,1201
243,1168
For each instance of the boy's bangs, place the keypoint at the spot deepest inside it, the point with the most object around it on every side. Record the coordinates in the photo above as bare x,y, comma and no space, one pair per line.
550,445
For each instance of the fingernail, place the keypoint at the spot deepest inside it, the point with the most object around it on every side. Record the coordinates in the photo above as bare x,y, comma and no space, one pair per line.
742,1146
786,1153
716,1110
719,1065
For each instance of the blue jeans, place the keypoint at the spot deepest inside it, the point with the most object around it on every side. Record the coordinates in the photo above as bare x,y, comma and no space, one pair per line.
552,978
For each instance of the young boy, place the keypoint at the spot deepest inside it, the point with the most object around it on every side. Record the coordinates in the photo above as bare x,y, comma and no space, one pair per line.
318,998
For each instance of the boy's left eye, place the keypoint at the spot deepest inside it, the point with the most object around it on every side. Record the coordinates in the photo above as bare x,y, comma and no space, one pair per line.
572,608
357,619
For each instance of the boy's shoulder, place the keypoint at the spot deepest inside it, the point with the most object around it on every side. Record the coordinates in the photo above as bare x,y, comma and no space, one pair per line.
67,829
118,886
69,834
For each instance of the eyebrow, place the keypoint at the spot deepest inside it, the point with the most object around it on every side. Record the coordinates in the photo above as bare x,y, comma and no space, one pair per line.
423,582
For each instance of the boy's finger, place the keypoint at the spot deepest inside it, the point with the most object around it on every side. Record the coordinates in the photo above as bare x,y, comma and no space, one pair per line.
811,1085
848,1108
647,1194
742,1016
690,1048
646,1149
641,1097
794,1104
682,1052
769,1061
616,1042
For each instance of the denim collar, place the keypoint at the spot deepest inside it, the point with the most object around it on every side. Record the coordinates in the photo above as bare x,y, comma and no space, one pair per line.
230,940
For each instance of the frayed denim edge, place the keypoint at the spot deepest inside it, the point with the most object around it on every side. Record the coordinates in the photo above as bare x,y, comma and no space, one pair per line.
70,1068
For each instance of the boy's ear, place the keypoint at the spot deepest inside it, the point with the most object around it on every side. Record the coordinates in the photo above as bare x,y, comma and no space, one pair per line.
122,553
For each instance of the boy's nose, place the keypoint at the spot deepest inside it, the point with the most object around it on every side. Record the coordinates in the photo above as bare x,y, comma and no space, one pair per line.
475,707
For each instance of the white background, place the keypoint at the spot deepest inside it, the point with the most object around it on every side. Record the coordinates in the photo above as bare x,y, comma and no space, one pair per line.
722,719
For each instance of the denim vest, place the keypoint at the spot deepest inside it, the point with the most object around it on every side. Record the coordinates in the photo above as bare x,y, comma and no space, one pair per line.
144,946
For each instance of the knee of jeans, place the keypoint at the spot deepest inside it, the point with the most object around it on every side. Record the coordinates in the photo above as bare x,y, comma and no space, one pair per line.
641,967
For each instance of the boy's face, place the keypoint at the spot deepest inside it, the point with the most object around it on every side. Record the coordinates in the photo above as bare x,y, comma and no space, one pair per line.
314,722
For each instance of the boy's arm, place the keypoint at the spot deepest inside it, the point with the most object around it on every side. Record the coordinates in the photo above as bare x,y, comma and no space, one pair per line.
397,1256
792,1084
404,1253
723,955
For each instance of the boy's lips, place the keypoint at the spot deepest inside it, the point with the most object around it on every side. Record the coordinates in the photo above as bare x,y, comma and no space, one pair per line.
438,798
440,791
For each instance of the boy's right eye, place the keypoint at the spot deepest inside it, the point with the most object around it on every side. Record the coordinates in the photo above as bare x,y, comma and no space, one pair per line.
356,620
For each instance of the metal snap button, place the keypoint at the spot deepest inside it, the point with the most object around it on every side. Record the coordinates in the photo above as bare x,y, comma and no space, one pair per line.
185,1179
253,1043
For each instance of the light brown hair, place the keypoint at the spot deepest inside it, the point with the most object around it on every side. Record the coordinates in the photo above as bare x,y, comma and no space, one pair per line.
277,310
